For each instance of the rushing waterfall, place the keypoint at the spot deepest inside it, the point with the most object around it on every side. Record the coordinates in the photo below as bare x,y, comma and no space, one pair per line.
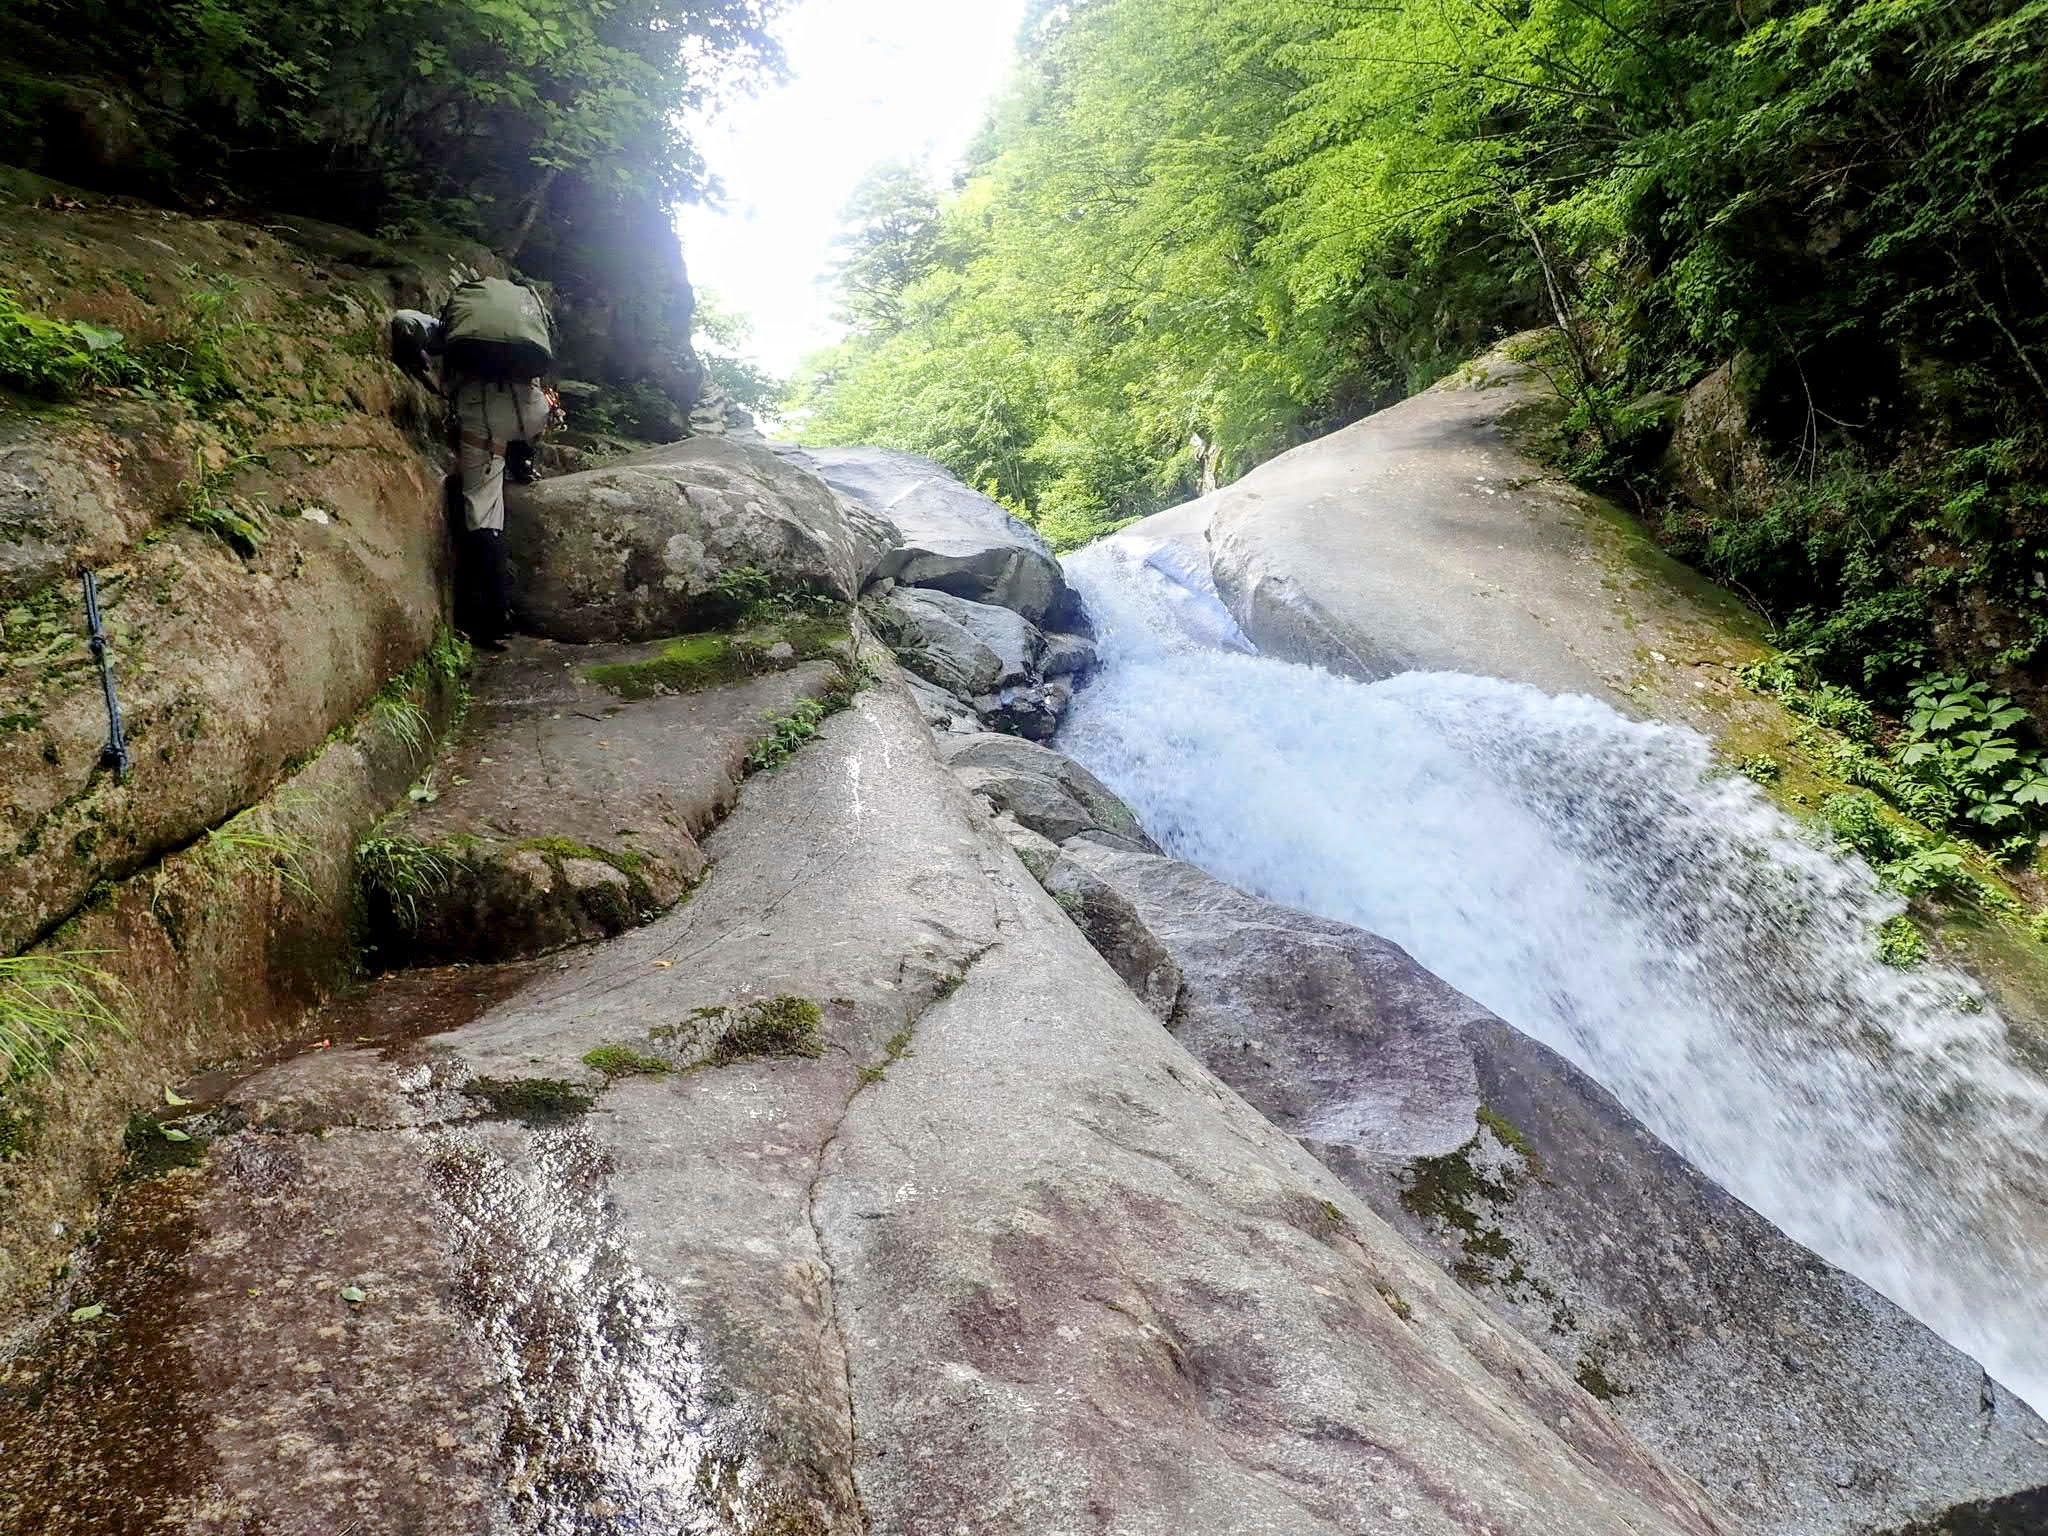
1597,883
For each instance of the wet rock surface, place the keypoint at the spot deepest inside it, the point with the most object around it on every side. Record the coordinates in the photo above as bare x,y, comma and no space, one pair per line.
572,804
1044,790
965,648
212,953
969,1238
637,549
865,1191
978,666
1799,1397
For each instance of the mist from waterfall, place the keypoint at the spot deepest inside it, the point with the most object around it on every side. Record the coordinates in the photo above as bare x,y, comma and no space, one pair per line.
1600,885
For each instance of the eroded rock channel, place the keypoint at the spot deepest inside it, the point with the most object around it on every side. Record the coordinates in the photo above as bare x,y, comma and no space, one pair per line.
797,1099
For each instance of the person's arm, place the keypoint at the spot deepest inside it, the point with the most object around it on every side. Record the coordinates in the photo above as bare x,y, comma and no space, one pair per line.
416,343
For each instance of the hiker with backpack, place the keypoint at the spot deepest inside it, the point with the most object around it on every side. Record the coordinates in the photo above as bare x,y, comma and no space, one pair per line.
496,344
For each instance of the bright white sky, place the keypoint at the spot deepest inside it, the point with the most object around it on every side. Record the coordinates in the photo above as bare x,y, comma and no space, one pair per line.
872,80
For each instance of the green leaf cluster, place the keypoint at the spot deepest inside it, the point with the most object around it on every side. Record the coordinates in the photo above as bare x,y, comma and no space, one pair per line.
42,355
421,112
1963,759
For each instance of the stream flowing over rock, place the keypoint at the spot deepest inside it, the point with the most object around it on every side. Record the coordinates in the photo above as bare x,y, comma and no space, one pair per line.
998,1253
1796,1394
796,1098
1682,943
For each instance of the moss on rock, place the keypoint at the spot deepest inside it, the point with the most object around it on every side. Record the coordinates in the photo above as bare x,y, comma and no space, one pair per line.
784,1025
690,663
531,1100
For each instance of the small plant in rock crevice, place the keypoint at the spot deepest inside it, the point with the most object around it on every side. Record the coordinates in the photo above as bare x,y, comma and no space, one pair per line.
51,1004
893,1051
784,1025
401,871
407,723
206,501
787,733
254,841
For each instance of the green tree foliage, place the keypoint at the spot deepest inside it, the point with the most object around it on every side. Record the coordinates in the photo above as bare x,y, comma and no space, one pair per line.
890,240
462,111
723,337
1196,231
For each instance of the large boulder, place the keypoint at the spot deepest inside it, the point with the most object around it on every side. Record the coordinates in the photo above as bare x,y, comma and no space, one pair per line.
1796,1395
1044,790
266,565
951,536
648,545
966,648
1714,456
1425,538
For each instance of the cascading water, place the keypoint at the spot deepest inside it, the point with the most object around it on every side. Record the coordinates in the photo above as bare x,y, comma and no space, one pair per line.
1595,882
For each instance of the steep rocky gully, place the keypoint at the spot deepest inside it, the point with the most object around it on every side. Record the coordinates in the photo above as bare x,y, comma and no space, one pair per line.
793,1096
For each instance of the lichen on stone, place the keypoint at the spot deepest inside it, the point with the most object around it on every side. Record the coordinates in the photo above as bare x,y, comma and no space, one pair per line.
1453,1193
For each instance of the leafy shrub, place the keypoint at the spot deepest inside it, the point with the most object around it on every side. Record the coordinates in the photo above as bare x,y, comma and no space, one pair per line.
57,358
1899,943
1956,762
1959,740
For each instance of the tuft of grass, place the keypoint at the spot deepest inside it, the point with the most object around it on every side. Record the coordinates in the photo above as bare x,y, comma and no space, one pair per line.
250,841
401,715
206,501
234,520
775,1026
624,1061
50,1004
402,870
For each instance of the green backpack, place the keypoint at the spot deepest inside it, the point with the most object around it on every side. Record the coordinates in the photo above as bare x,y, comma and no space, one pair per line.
492,329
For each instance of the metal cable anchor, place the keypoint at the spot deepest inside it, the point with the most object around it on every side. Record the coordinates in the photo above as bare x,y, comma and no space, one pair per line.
114,754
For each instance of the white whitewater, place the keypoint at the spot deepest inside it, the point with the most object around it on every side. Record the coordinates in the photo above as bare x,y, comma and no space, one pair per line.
1592,880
